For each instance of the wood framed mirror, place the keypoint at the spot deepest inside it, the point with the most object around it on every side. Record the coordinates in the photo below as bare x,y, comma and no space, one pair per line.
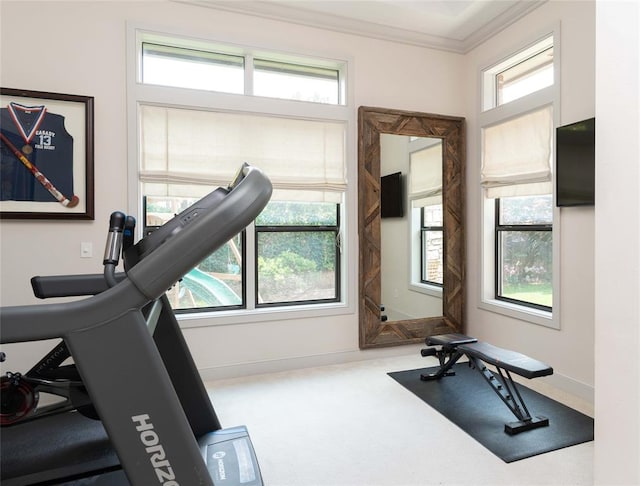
372,123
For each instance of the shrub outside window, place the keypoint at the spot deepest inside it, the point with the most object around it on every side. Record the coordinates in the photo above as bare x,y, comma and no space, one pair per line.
524,250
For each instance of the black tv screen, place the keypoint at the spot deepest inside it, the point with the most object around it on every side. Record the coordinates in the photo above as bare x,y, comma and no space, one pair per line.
391,196
575,164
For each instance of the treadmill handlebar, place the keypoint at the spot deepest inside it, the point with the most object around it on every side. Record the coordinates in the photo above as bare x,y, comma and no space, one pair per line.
114,238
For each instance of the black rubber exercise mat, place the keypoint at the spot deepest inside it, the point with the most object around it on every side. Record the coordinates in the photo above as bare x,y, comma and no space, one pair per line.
469,402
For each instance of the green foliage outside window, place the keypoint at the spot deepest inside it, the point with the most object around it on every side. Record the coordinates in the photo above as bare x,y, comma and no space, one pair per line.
526,252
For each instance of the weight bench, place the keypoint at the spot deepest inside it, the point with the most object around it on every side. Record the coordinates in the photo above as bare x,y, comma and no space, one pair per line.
454,346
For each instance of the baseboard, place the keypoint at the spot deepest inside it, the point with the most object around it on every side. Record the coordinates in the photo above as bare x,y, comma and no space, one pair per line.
237,370
563,389
573,387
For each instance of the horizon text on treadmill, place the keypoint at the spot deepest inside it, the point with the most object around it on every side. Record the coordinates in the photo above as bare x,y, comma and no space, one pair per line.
158,457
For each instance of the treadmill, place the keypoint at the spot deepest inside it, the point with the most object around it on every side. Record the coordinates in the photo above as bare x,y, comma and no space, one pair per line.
157,424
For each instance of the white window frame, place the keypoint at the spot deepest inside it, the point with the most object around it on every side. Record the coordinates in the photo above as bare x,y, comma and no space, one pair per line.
138,93
489,114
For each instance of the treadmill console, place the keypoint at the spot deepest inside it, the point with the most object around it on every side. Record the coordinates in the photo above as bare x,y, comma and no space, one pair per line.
152,241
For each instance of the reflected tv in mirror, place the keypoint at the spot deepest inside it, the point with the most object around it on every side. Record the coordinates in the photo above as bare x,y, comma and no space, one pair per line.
575,164
391,196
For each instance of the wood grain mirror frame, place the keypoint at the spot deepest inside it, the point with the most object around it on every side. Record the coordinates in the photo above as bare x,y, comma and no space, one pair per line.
371,123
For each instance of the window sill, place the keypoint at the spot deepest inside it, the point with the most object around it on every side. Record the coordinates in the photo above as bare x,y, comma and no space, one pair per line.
432,290
266,314
527,314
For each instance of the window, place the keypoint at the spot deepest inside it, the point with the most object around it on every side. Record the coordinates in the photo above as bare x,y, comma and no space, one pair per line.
528,76
191,68
524,250
520,75
432,244
188,143
516,133
296,82
298,253
216,68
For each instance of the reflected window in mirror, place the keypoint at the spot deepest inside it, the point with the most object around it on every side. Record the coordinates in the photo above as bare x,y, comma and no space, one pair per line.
425,196
432,244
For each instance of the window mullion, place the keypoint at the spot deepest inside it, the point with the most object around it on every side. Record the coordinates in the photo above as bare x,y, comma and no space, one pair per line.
251,268
524,227
294,228
248,74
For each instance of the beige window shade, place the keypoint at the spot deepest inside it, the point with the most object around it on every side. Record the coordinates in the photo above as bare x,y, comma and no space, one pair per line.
186,152
425,176
516,155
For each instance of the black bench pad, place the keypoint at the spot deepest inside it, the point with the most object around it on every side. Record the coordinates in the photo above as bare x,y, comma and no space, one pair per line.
508,360
452,339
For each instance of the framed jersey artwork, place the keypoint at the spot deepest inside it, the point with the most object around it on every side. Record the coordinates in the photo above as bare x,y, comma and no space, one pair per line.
46,155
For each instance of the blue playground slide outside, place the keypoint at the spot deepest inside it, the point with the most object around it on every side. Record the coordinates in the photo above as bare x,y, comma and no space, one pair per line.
209,289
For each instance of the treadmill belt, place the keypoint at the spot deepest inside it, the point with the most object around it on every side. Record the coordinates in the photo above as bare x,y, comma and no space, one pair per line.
54,447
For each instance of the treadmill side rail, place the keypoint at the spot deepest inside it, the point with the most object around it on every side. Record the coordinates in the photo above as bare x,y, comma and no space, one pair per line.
138,407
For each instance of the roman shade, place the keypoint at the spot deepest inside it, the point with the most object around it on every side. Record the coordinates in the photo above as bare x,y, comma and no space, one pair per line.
425,180
516,155
185,151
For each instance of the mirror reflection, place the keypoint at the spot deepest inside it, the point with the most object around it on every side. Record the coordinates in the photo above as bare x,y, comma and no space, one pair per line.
411,230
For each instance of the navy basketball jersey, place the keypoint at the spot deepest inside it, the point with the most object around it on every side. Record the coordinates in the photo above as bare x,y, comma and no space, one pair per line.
42,138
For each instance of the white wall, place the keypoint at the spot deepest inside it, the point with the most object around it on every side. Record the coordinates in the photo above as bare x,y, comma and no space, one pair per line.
570,349
617,243
79,48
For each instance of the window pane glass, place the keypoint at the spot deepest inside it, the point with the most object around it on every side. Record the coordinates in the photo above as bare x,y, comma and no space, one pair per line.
285,213
295,82
296,266
432,215
191,68
526,77
215,282
160,209
432,252
526,259
526,210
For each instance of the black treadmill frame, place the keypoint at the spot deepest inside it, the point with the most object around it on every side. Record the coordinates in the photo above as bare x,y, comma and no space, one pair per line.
147,389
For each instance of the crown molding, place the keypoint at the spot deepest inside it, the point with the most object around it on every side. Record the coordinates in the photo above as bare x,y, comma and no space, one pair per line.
337,23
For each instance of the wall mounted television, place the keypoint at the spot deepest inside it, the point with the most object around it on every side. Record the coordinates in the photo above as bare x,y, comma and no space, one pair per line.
575,164
391,196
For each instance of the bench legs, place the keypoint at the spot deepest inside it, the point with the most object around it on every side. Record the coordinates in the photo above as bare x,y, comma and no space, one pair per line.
508,392
447,355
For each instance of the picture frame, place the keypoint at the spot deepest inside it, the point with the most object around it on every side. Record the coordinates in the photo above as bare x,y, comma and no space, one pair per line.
46,155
